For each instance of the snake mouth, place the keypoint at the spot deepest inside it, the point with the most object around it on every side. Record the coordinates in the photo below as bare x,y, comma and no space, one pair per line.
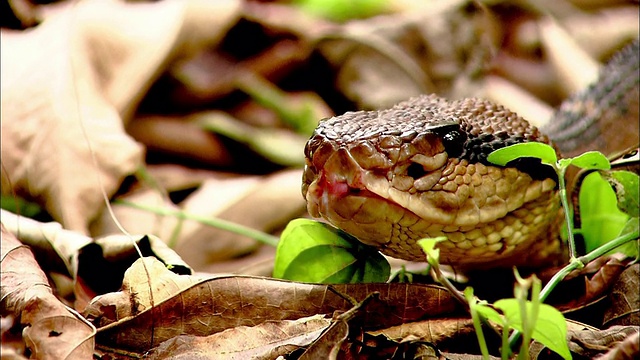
340,178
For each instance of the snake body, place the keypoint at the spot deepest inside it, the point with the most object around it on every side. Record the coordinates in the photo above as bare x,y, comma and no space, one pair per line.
419,169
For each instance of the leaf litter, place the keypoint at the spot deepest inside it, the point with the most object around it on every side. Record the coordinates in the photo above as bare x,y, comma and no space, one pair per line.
106,78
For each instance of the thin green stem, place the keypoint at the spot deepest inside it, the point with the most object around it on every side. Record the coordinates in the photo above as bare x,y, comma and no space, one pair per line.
505,353
585,259
210,221
521,290
567,211
577,263
477,324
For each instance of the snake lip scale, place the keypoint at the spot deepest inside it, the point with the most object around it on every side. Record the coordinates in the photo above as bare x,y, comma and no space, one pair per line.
419,169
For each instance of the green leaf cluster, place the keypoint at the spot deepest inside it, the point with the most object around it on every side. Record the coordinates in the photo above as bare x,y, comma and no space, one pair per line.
608,209
607,213
311,251
549,328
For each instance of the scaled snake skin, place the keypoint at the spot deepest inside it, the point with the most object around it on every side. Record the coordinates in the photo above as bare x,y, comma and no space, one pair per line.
419,169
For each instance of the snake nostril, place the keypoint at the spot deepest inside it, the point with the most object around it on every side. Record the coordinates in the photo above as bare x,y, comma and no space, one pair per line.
416,171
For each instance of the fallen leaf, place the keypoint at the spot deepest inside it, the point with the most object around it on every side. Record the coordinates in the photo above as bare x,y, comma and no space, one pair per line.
71,83
51,330
264,341
625,299
588,343
431,330
328,345
387,59
575,67
85,259
212,304
597,277
629,348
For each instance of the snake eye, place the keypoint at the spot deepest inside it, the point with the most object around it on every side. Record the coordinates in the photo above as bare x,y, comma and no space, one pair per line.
454,141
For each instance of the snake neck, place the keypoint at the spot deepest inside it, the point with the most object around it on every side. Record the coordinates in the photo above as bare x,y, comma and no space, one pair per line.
603,116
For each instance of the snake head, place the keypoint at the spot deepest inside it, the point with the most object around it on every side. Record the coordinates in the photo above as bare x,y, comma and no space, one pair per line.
419,169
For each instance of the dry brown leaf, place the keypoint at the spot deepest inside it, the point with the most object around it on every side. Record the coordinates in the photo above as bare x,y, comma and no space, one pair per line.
117,253
85,259
210,75
213,304
52,331
430,330
625,299
573,65
49,240
587,343
69,84
137,288
601,32
265,341
328,345
629,348
180,138
599,276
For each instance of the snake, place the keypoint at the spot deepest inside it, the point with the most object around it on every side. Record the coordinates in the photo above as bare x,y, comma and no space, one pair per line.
419,170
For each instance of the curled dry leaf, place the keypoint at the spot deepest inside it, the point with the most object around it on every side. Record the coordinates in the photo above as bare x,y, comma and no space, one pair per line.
84,259
386,59
588,343
117,253
51,330
69,84
625,299
629,348
49,241
599,276
209,305
431,330
265,341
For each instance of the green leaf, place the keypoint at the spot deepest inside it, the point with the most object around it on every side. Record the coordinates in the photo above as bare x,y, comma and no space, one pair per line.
625,185
312,251
341,10
602,221
428,245
490,313
550,327
630,248
277,145
20,206
591,160
541,151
